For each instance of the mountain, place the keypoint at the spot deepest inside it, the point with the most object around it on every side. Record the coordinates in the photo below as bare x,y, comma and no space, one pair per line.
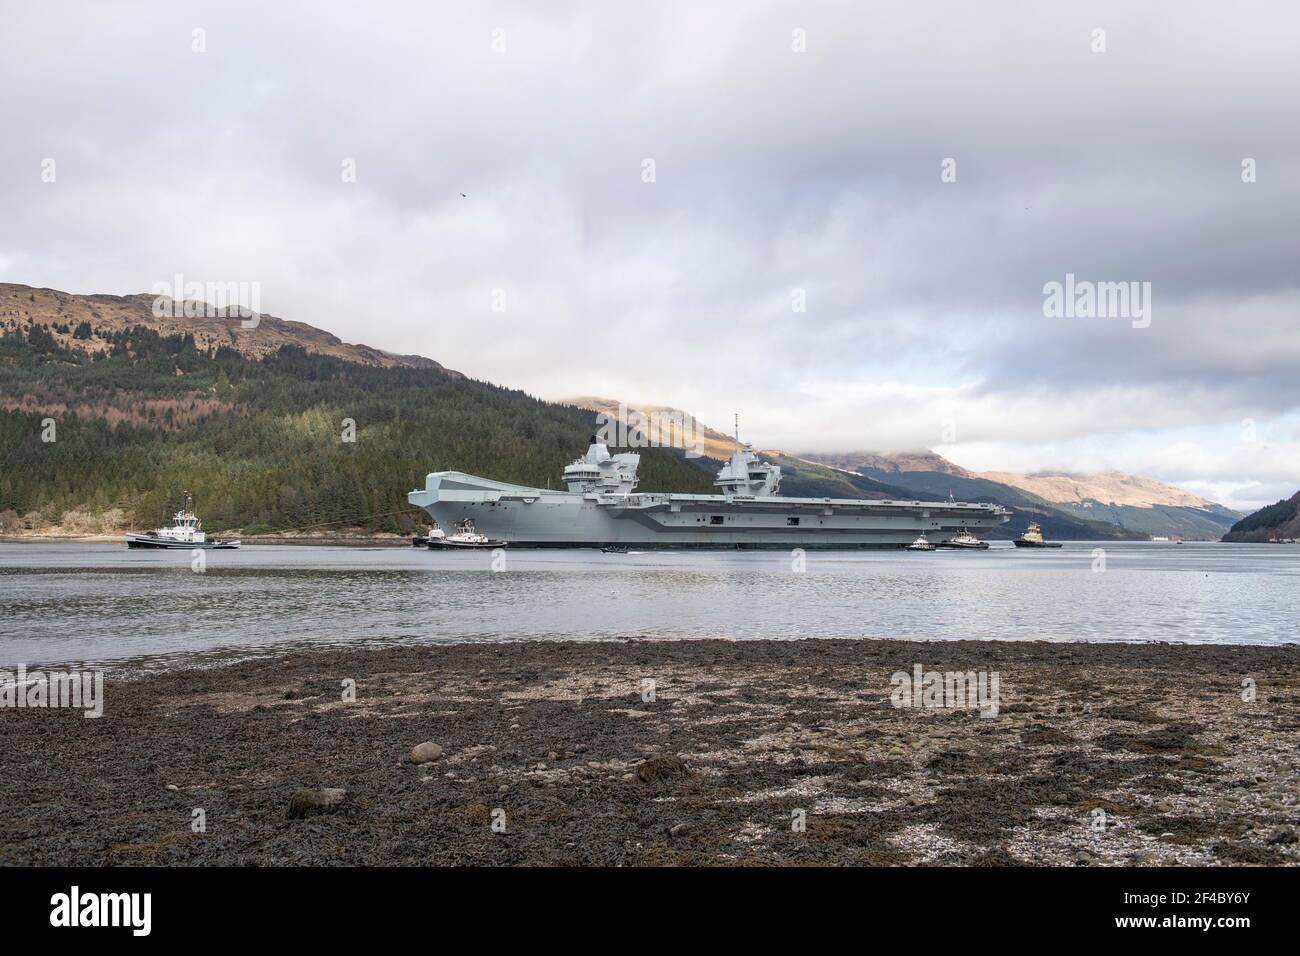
1279,520
928,475
253,422
711,442
1137,504
897,463
1108,486
1106,504
87,322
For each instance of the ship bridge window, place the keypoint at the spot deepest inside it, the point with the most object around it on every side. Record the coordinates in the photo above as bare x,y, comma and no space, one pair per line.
715,519
756,476
792,521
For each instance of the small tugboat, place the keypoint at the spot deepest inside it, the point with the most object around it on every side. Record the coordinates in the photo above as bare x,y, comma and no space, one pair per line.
185,532
422,540
464,537
921,544
965,542
614,549
1033,538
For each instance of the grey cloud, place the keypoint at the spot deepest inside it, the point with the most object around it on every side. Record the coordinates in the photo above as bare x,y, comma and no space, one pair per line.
776,170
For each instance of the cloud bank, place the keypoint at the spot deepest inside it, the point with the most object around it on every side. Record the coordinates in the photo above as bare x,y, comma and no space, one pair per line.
803,253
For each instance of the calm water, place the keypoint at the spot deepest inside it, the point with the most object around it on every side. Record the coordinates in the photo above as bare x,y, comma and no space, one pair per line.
104,604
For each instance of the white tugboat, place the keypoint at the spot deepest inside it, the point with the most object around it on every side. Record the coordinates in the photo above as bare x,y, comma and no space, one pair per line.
186,532
922,543
965,542
464,537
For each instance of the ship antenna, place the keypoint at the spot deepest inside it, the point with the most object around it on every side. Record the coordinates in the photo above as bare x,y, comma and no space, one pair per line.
737,431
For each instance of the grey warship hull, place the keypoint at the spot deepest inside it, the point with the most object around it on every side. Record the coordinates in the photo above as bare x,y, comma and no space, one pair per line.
534,517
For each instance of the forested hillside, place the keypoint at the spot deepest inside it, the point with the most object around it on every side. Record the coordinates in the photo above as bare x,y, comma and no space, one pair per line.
1279,520
259,441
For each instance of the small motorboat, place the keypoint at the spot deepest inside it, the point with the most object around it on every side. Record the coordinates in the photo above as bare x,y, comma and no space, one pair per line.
1033,538
614,549
464,537
186,532
965,542
921,544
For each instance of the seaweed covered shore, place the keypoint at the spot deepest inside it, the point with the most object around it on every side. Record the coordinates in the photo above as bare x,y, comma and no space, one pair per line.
651,753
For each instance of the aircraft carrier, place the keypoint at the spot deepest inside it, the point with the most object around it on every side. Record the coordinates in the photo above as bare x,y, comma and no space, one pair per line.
602,508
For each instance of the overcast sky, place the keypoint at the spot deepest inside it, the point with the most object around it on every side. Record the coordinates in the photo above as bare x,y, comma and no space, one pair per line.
775,169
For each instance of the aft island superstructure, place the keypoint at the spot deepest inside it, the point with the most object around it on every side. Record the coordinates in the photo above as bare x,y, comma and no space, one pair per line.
601,507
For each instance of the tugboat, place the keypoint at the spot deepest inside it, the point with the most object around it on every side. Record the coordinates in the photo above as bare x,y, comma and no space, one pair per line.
965,542
614,549
185,532
1033,538
921,544
421,540
464,537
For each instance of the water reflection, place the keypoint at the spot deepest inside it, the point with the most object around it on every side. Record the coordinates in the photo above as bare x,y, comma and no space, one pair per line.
104,605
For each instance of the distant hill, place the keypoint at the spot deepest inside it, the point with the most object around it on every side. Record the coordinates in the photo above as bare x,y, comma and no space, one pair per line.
895,463
86,323
250,419
1279,520
1106,504
1136,504
928,475
253,425
713,443
1112,487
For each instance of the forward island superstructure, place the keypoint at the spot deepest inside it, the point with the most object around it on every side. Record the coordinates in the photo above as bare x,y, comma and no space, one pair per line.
601,508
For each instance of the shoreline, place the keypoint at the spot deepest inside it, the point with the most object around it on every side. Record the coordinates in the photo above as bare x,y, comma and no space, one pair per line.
391,540
386,540
739,738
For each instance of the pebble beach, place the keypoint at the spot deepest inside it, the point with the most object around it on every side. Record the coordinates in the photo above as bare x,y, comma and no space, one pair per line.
671,753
